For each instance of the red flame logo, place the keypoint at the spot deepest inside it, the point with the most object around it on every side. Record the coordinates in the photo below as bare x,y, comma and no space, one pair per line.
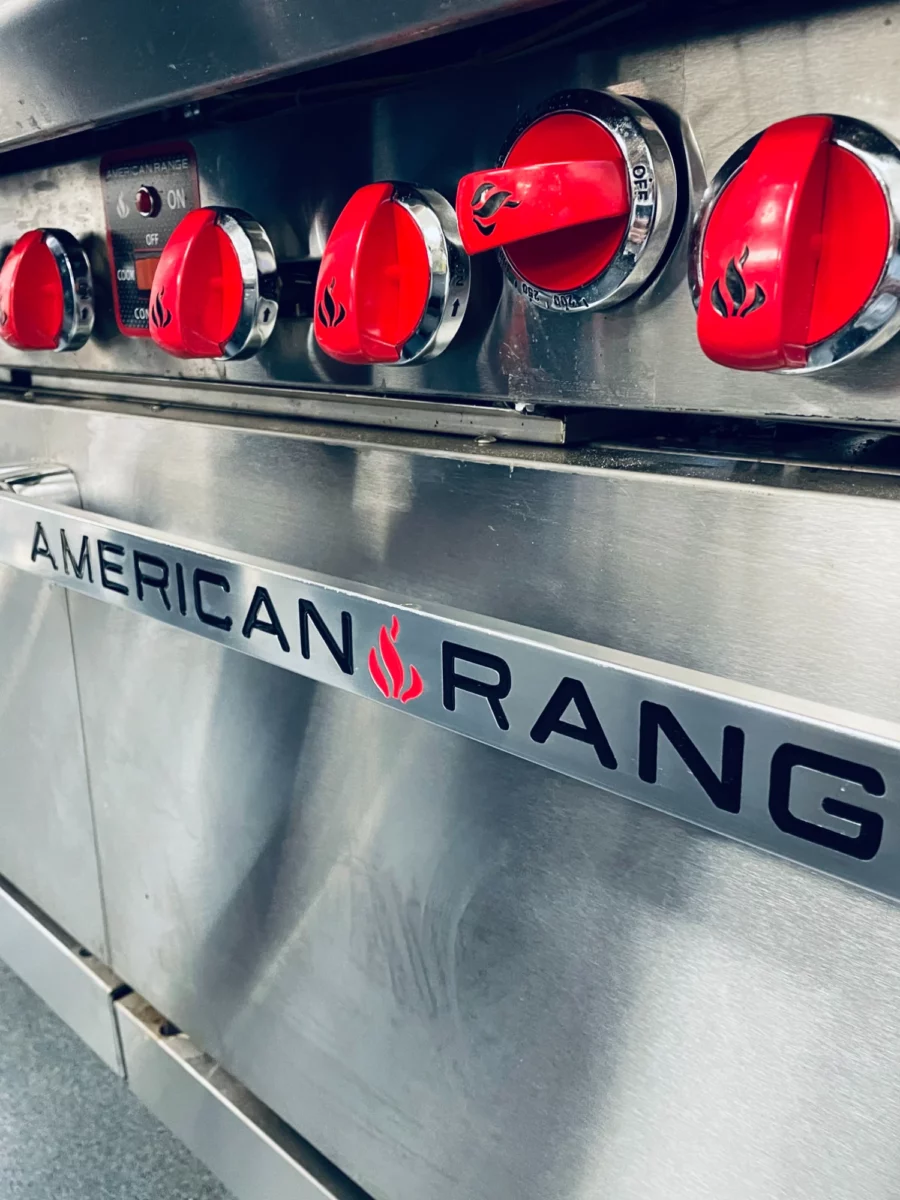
486,204
735,299
385,662
159,314
330,311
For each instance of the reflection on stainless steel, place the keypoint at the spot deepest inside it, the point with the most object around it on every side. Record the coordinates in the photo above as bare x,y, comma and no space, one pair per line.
119,61
247,1146
448,265
642,729
65,975
643,354
453,971
77,289
259,306
47,843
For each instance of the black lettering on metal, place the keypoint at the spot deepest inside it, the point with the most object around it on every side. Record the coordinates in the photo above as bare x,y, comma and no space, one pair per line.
179,584
84,557
160,581
262,599
40,547
343,654
863,845
211,578
724,790
108,568
573,691
451,652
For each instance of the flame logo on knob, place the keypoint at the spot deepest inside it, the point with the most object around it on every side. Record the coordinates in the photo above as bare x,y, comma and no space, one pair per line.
4,317
730,296
159,314
330,311
486,204
386,664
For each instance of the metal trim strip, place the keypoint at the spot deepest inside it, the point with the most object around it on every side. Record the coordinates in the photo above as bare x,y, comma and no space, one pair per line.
78,987
746,762
255,1154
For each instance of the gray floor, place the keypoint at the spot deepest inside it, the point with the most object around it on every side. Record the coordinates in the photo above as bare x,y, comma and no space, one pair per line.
69,1128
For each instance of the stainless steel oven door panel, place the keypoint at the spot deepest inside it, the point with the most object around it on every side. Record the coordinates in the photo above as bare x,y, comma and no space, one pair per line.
47,846
643,355
455,973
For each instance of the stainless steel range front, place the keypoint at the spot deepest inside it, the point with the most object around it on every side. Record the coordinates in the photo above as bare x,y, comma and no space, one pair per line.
449,591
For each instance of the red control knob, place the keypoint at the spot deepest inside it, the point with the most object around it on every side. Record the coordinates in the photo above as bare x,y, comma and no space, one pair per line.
394,280
215,290
794,247
581,203
46,292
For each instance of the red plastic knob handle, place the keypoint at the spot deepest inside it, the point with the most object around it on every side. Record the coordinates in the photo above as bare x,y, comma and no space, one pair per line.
46,294
496,208
559,205
792,250
393,282
214,292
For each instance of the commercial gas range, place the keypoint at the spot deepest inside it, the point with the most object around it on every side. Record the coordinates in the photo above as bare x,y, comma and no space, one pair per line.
448,612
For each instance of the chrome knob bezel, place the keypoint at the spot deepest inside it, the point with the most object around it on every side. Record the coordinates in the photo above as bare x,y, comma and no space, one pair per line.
653,186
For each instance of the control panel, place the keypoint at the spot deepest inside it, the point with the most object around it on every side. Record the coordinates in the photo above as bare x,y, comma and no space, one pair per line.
644,244
145,194
793,266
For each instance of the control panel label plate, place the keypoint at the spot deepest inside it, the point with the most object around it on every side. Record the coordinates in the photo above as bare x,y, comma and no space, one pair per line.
168,174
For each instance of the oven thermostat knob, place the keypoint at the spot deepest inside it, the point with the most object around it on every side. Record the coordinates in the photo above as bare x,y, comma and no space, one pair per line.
581,204
46,292
394,280
215,290
794,256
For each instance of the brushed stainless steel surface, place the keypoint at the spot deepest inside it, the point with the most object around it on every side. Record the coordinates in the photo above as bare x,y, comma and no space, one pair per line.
76,986
455,973
47,844
589,712
254,1153
118,61
719,87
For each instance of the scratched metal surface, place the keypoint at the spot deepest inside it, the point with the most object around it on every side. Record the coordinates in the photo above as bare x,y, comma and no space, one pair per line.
456,974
